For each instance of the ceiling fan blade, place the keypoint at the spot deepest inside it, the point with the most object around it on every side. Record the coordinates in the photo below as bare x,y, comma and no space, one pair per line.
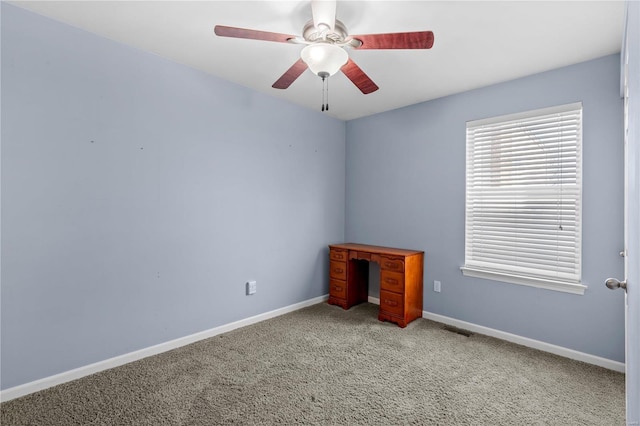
412,40
358,77
224,31
324,13
290,75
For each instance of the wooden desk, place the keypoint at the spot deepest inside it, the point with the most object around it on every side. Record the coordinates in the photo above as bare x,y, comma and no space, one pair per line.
400,279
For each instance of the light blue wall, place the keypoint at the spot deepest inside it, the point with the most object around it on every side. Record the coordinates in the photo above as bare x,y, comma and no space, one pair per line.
139,195
406,188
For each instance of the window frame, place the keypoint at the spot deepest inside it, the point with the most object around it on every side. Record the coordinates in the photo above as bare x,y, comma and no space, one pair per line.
515,274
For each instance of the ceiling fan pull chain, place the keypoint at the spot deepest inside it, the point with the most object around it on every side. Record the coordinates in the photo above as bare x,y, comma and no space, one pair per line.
327,104
323,79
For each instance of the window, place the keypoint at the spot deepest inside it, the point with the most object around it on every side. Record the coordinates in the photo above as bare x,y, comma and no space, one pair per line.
523,198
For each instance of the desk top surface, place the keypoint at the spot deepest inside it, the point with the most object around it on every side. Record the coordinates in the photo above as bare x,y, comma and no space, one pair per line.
376,249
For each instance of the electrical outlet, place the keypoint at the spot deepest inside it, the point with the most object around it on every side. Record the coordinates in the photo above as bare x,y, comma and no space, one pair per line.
251,287
437,286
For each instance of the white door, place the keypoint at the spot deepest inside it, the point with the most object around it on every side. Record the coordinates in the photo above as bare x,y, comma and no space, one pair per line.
631,281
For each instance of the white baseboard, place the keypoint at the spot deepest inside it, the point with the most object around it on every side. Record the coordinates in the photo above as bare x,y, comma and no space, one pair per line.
524,341
67,376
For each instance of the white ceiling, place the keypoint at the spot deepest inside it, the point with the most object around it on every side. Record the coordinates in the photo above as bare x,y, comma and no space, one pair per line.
477,43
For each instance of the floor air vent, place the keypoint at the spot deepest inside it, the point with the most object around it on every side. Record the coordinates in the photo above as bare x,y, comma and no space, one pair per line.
457,330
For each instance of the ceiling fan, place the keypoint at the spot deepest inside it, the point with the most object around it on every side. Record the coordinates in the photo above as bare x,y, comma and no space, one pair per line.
327,43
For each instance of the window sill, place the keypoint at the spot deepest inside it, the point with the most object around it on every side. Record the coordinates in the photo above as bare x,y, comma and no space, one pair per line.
546,283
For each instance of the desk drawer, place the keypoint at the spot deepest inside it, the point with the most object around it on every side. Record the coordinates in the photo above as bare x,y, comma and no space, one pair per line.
338,270
391,264
392,303
338,288
392,281
340,255
360,255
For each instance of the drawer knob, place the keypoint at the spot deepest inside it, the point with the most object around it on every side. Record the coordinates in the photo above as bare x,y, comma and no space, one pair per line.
391,281
337,288
391,302
388,264
338,270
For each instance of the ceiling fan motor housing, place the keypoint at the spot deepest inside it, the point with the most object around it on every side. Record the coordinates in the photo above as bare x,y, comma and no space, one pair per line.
338,35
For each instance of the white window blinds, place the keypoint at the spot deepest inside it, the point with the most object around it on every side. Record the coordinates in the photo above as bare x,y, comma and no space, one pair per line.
523,198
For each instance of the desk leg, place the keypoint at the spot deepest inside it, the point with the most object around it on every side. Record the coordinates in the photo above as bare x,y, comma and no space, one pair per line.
386,317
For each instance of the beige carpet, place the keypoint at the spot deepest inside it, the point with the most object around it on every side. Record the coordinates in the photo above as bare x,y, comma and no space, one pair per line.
323,365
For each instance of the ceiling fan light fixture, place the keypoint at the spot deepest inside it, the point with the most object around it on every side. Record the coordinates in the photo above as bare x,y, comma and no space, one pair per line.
324,57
